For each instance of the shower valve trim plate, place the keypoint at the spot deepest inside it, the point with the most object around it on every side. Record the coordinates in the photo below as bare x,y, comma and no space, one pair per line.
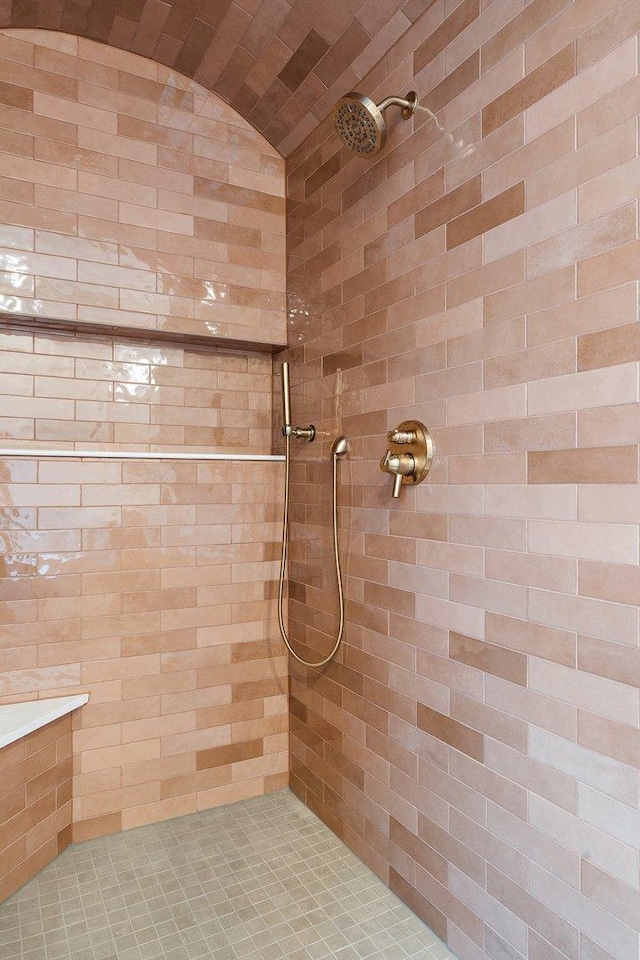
409,456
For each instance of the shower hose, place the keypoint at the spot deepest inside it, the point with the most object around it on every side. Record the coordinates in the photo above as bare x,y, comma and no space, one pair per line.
283,560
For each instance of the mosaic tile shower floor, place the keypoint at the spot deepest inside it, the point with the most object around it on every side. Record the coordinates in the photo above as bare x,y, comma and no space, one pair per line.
263,878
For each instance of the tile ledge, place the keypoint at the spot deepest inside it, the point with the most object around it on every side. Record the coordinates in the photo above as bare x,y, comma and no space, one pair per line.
55,453
19,719
213,342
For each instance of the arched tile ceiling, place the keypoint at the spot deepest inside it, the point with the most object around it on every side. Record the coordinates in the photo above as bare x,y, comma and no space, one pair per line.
280,63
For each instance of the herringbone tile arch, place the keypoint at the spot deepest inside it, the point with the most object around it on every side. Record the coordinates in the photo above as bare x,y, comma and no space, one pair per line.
280,63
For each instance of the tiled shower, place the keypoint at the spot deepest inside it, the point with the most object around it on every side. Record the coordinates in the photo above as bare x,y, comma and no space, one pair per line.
179,216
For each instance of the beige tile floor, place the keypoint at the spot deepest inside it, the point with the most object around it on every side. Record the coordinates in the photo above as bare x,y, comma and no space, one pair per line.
260,879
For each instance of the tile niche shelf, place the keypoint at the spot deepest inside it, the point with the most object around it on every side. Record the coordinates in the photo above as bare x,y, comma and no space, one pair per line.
53,325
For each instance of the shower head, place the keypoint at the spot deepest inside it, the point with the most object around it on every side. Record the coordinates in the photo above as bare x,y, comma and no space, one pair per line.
361,124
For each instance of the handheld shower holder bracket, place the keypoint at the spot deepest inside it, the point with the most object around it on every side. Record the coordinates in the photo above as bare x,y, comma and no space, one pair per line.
305,433
300,433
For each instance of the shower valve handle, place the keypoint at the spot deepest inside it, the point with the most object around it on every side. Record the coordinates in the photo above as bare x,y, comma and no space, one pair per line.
401,436
399,465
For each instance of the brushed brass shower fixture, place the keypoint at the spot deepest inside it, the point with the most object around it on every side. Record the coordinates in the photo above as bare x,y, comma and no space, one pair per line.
339,448
409,456
360,121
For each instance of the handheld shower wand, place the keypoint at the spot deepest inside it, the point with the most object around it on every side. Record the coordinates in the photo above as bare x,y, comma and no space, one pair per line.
300,433
286,401
338,449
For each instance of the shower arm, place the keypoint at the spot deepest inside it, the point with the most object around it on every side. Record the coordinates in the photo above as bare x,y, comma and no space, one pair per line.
407,105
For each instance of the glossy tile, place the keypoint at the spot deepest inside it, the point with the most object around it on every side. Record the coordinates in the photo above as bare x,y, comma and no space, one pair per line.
422,745
95,183
510,244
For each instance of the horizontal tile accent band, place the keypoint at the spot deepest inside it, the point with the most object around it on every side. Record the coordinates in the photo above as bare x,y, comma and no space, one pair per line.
115,329
9,454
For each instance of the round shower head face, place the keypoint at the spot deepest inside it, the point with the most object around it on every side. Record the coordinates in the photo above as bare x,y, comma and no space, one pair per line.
360,124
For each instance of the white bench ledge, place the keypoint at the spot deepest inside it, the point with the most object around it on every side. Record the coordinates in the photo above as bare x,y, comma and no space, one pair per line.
19,719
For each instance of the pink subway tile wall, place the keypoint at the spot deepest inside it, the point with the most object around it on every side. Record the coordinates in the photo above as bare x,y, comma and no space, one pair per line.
35,803
278,62
132,197
100,393
150,585
477,740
